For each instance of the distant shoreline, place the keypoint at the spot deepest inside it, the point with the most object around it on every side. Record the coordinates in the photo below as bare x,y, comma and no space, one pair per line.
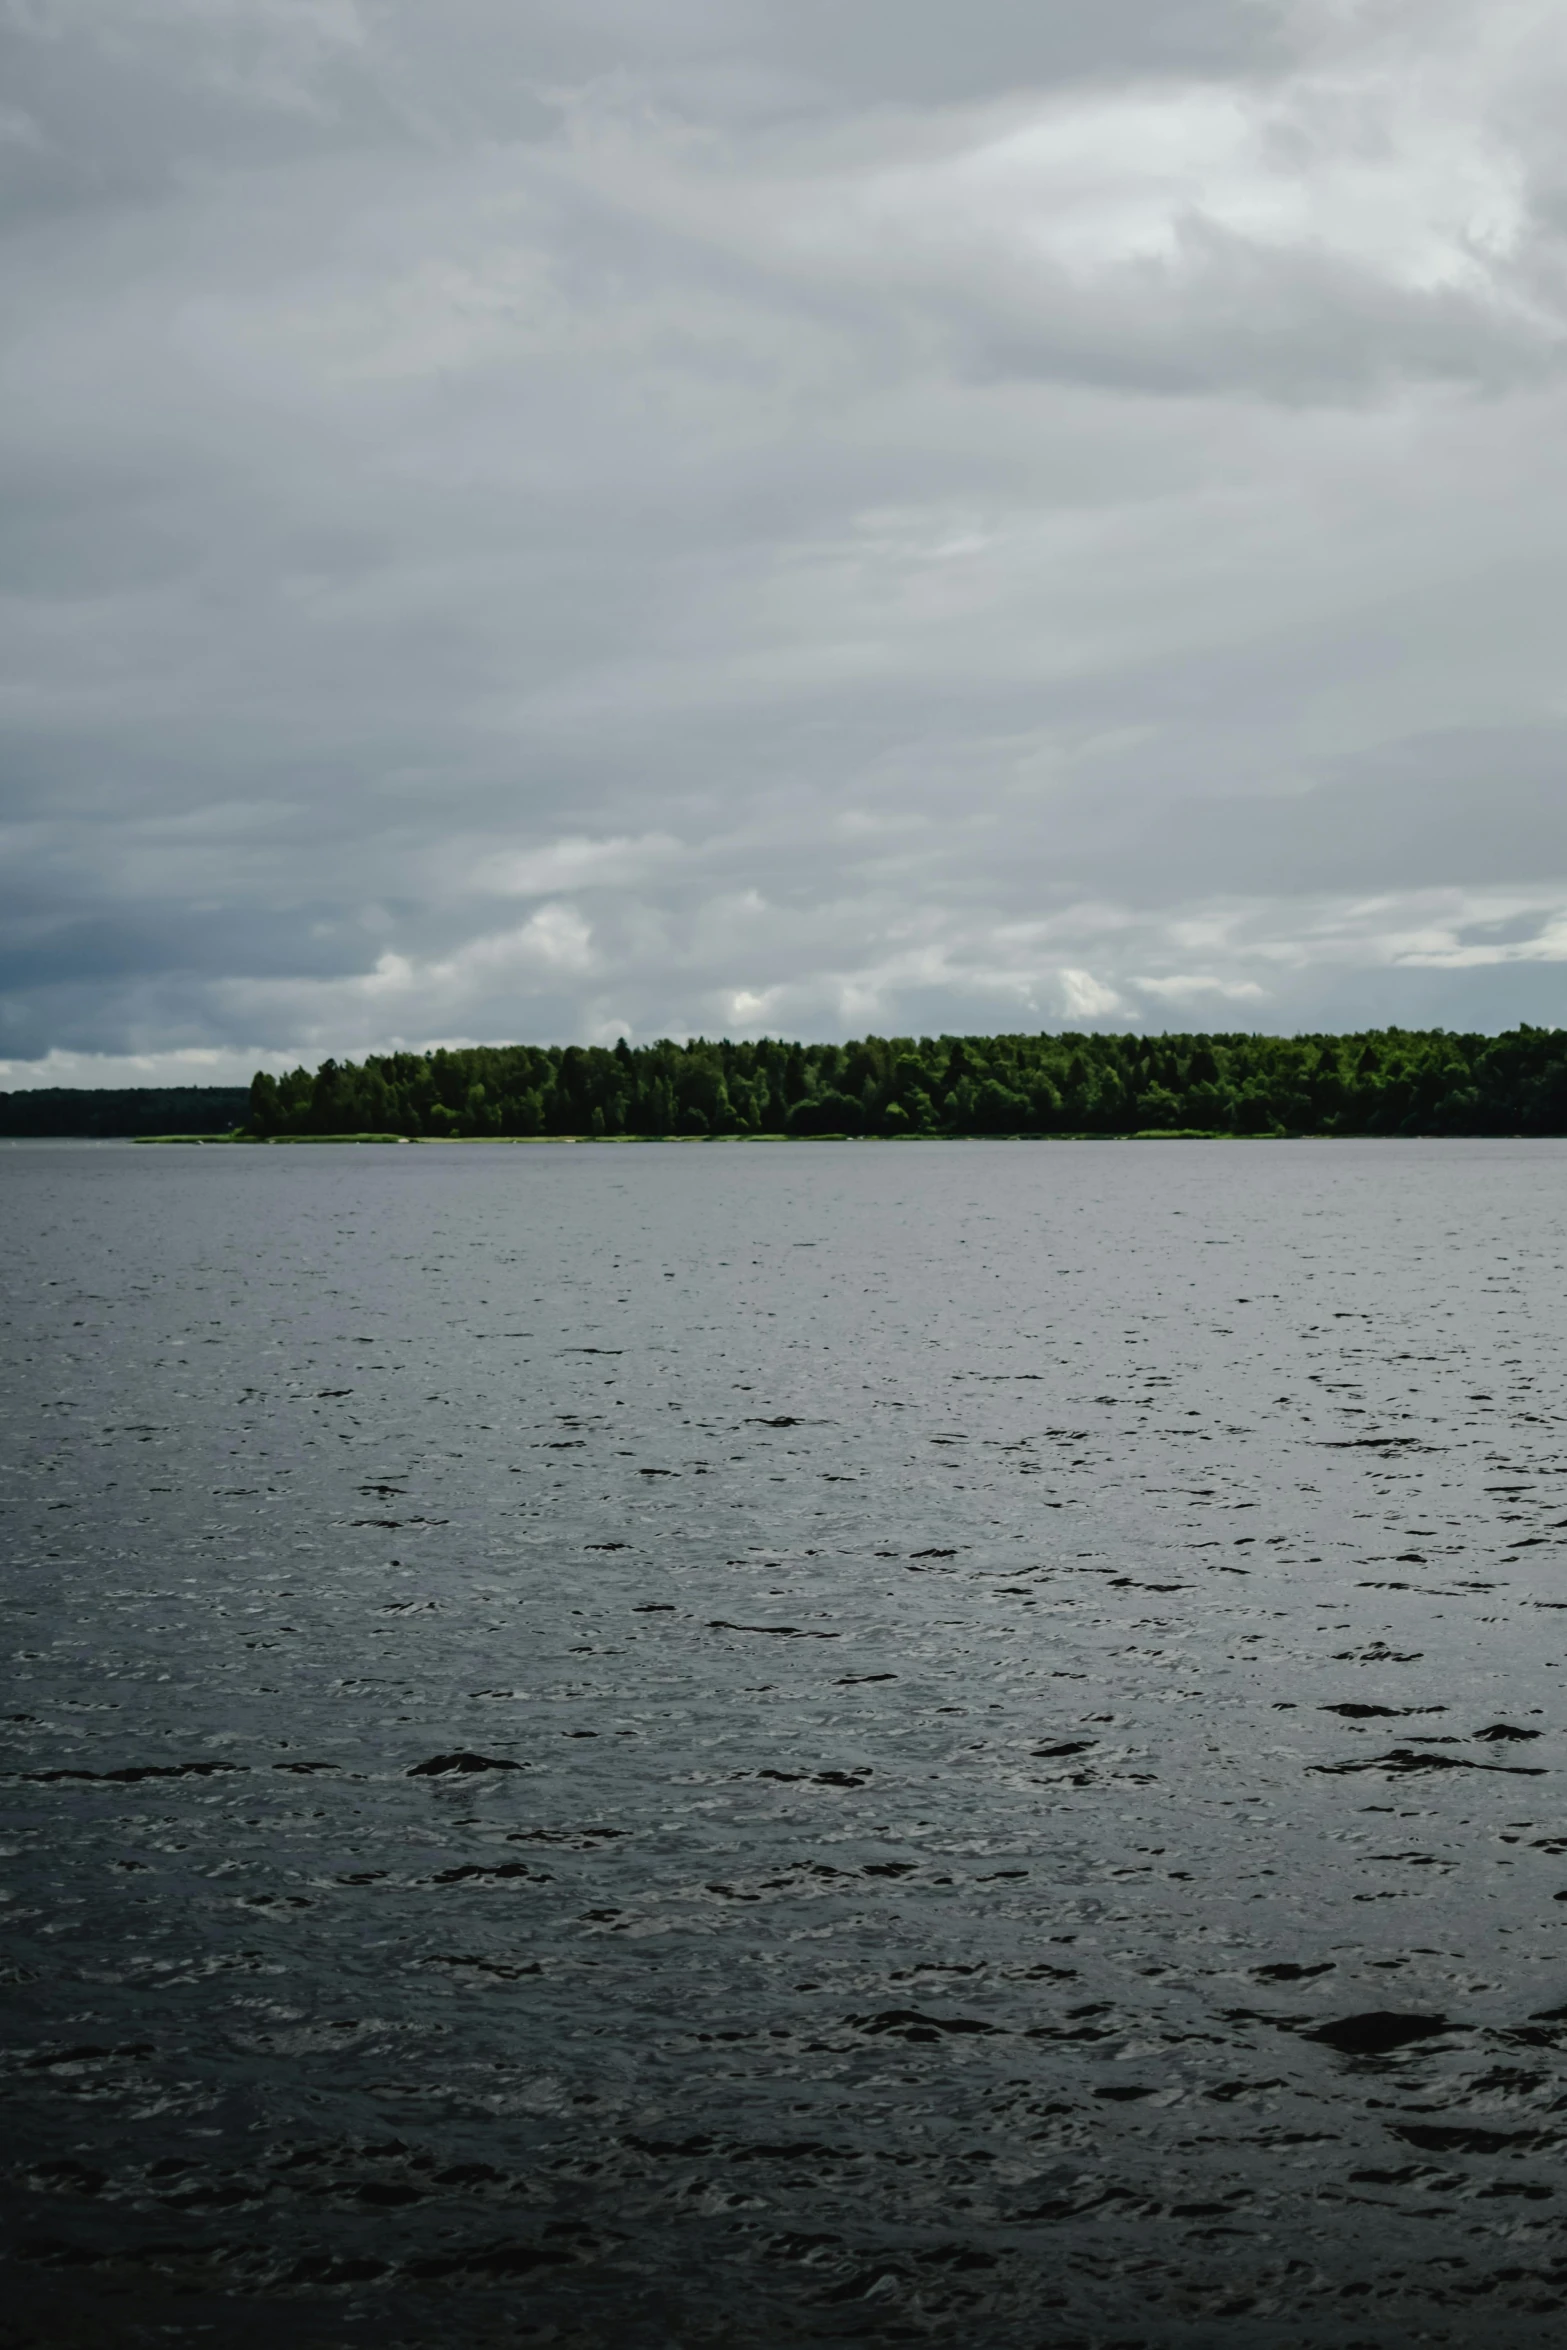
621,1141
1048,1086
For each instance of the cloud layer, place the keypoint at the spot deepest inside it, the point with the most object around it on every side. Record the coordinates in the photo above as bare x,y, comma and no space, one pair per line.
649,516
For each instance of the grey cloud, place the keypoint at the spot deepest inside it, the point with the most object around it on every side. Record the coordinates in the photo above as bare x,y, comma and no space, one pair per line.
442,453
887,50
115,101
1469,808
106,93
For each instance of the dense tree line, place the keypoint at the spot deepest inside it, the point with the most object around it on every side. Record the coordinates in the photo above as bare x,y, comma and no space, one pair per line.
1385,1081
101,1113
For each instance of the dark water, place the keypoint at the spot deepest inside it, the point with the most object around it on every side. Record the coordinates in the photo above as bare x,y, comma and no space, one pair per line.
1031,1683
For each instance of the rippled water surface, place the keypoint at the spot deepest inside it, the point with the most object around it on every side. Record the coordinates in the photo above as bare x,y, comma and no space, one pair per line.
680,1746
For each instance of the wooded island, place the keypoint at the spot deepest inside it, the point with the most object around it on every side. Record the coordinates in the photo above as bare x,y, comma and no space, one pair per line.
1383,1081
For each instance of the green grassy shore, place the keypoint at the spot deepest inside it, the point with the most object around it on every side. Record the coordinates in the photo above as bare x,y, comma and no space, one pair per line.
270,1141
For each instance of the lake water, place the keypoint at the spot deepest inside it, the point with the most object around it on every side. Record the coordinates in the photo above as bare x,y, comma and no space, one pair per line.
1030,1679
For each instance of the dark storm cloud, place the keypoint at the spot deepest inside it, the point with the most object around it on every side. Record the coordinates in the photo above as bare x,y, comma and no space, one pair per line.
534,520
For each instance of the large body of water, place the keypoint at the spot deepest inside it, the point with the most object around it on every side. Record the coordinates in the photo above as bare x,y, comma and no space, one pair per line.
1031,1686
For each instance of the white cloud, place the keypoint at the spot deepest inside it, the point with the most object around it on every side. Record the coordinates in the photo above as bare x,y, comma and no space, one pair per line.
1083,997
749,1008
1392,177
1183,985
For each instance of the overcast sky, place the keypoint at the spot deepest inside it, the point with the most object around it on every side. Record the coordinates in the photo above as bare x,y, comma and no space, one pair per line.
554,519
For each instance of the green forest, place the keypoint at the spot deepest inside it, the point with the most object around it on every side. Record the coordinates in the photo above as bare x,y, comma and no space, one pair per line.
1385,1081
